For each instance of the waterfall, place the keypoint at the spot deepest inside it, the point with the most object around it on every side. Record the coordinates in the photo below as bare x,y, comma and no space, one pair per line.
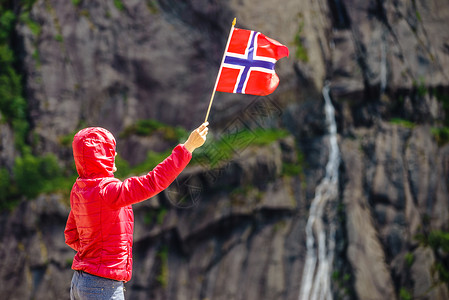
320,239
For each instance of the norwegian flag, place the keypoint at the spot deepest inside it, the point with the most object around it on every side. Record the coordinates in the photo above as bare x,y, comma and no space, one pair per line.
248,65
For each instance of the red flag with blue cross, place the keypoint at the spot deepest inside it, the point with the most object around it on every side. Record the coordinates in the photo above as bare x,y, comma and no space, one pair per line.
248,65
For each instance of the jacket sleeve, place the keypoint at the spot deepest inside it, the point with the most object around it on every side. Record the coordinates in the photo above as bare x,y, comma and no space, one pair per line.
71,233
136,189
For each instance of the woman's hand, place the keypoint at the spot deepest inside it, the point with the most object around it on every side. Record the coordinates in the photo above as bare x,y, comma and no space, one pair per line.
197,137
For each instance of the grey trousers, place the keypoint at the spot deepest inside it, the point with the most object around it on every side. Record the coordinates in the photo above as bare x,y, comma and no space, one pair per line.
89,287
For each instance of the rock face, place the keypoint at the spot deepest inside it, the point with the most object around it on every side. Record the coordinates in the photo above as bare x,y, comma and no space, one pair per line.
236,230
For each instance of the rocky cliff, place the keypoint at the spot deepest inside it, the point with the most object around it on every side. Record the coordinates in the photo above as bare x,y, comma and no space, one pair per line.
234,225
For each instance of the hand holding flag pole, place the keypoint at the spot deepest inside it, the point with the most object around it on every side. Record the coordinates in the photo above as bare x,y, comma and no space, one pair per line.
219,70
247,66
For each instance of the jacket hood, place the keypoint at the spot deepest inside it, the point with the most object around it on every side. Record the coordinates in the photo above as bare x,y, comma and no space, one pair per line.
94,152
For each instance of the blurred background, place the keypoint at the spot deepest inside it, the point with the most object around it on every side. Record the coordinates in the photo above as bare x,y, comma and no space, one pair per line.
333,187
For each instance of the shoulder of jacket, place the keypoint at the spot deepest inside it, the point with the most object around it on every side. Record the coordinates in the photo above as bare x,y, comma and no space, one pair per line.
108,180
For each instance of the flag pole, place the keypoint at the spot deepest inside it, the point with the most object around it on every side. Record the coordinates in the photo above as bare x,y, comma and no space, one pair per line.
219,70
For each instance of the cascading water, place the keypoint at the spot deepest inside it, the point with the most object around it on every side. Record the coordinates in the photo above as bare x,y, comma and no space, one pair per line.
320,239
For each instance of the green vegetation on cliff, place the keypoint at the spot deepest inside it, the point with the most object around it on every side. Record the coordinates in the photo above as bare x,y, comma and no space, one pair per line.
25,178
224,147
441,135
149,127
438,241
13,106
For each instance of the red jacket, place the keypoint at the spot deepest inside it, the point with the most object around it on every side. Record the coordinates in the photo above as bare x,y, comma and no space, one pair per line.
101,221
